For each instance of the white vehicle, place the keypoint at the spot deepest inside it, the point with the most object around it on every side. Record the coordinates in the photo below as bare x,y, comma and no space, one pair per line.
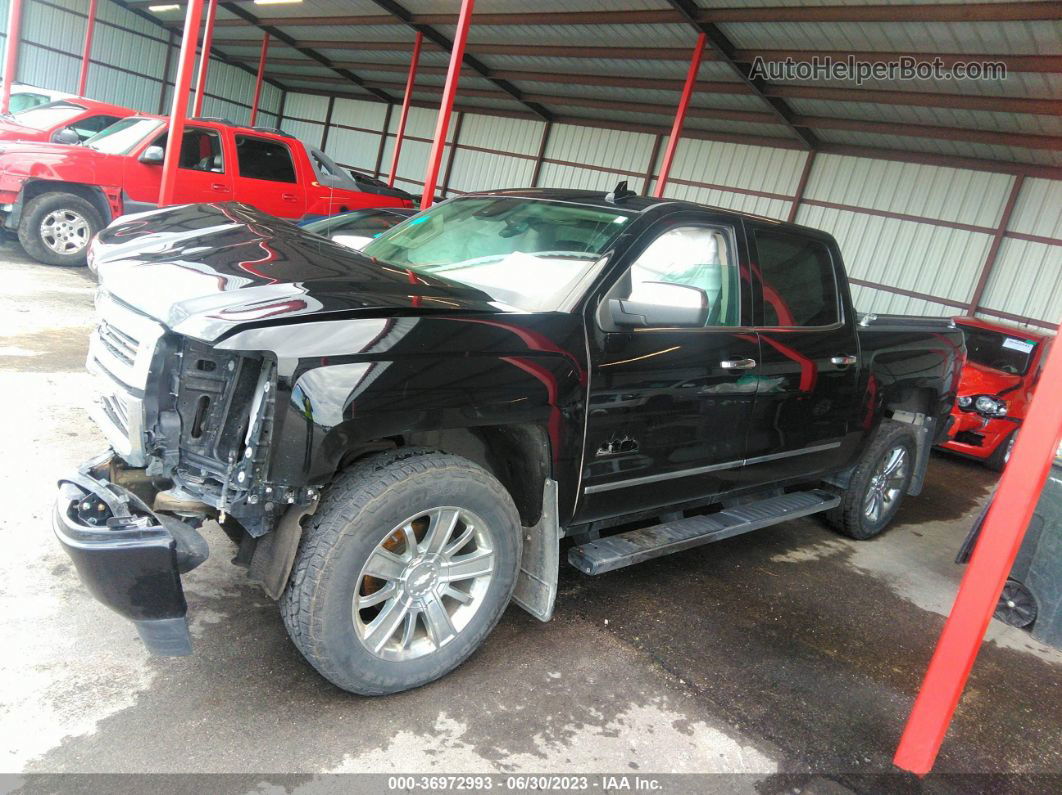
24,97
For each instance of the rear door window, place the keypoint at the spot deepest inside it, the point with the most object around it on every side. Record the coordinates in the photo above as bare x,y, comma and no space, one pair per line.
259,158
799,285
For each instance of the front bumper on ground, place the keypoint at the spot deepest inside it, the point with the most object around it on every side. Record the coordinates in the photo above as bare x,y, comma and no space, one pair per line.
124,555
977,436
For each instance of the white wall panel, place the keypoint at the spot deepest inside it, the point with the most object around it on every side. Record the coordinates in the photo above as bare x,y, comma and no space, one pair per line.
948,194
495,132
356,113
306,106
737,166
1038,210
1027,280
869,299
925,258
628,151
485,171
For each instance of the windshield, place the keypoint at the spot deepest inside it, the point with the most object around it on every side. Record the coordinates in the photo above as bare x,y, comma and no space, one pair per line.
123,136
526,253
45,117
1004,352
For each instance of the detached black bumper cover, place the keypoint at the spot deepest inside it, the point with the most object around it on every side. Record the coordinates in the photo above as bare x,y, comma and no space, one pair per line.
124,556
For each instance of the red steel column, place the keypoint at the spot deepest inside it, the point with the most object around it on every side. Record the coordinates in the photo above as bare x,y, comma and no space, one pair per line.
680,116
204,59
442,124
179,112
410,80
258,79
14,22
993,556
86,52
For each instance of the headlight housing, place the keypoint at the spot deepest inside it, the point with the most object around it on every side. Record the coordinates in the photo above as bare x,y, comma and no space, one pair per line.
985,405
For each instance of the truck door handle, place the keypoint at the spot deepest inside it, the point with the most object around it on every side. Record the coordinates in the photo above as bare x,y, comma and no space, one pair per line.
843,361
737,364
220,186
288,197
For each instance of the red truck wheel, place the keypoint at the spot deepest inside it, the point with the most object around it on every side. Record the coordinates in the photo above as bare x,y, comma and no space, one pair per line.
56,228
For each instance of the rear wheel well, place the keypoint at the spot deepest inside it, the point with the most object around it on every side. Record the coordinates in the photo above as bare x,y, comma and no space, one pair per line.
89,193
517,455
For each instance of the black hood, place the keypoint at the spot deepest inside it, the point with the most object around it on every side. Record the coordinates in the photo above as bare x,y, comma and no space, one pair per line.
203,268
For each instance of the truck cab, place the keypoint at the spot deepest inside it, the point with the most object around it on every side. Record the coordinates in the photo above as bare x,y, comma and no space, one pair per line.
57,197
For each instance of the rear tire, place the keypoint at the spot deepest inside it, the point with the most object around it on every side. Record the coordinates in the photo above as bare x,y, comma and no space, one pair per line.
56,228
1001,455
878,484
382,597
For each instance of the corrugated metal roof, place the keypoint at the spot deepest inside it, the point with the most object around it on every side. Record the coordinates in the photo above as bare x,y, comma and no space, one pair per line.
901,143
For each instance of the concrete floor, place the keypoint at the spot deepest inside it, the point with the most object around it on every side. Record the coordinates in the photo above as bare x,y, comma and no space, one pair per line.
789,655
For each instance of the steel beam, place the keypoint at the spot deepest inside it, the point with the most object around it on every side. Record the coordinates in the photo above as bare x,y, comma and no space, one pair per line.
179,112
309,52
801,186
725,51
407,97
204,59
86,50
441,41
993,249
14,25
263,55
442,123
680,116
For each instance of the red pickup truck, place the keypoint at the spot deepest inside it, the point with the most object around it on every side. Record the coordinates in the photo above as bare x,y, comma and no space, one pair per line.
1002,367
56,197
63,121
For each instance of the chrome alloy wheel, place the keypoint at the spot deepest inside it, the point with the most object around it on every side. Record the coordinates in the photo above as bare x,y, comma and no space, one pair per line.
886,484
423,583
65,231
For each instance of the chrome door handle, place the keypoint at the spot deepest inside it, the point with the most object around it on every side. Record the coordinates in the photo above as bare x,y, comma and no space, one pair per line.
843,361
737,364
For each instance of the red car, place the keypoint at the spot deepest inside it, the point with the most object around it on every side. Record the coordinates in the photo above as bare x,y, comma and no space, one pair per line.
57,197
1002,367
64,121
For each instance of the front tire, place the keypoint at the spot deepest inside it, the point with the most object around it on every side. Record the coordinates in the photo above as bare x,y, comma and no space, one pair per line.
878,484
407,566
1001,455
56,228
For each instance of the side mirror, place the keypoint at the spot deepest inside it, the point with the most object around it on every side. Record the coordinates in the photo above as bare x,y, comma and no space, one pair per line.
661,304
153,155
67,136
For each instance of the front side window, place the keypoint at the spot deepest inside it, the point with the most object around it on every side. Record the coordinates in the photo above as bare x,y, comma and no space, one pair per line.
90,125
200,150
259,158
46,117
687,256
123,136
528,254
799,287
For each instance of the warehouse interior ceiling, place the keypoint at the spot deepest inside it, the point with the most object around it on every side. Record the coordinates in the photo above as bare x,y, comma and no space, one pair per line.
621,64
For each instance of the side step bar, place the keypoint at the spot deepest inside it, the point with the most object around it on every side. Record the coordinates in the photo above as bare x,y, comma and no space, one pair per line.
646,543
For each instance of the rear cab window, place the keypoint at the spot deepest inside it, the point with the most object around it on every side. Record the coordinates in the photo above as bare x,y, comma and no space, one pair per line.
260,158
799,280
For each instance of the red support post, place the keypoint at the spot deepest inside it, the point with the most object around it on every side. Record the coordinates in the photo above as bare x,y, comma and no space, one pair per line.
442,124
14,23
86,52
989,567
410,80
680,116
179,112
204,59
258,79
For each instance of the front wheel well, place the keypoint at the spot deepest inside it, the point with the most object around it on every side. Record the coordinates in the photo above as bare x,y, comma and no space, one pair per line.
517,455
90,193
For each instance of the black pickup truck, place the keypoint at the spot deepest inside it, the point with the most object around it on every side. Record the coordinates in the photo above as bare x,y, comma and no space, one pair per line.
398,439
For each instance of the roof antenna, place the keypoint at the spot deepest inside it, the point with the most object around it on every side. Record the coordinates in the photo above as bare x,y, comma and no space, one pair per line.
619,193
